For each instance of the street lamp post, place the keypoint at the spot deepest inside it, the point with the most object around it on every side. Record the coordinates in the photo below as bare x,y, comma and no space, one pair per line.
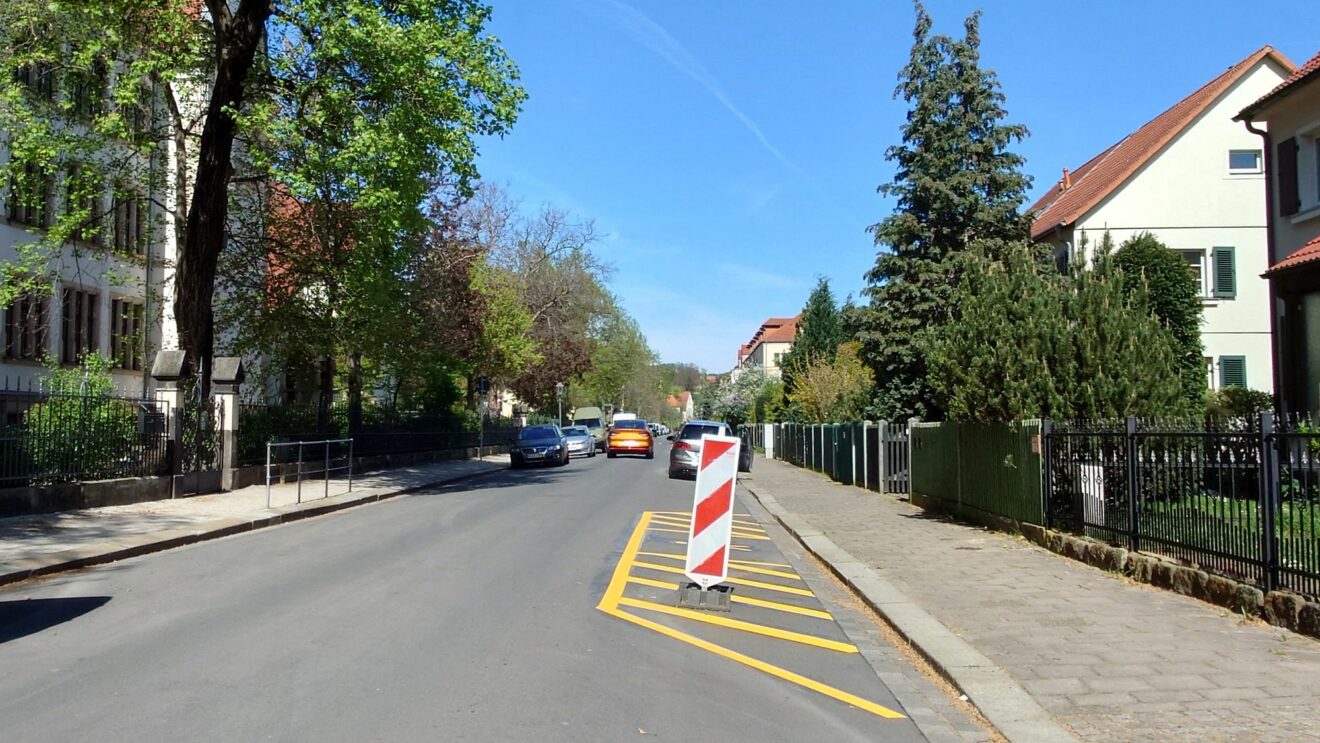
559,398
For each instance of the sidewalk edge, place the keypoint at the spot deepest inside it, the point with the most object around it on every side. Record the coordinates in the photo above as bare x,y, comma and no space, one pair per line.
1000,699
114,551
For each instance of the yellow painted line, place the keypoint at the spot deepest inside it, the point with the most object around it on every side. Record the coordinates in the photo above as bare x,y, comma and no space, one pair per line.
736,534
750,526
609,603
737,599
734,581
732,563
760,564
734,547
755,629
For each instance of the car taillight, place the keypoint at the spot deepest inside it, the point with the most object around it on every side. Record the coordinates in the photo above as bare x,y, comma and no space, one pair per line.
681,445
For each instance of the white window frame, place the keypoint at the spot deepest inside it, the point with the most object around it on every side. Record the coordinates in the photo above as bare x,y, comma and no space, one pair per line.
1254,170
1204,290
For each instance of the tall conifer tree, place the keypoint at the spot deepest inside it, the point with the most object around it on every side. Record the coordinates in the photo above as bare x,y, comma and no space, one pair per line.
956,186
820,331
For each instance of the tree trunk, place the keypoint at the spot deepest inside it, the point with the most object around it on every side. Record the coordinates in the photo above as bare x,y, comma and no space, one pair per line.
238,34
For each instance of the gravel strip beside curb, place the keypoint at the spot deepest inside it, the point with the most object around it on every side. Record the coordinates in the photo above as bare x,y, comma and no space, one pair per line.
1004,703
143,544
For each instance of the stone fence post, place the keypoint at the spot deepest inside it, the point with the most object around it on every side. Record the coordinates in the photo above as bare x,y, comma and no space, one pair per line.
226,377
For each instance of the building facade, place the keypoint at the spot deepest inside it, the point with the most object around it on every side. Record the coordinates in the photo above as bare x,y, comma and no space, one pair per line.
1193,178
768,346
1287,121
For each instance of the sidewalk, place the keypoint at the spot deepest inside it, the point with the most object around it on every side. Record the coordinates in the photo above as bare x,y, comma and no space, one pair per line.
1009,622
48,543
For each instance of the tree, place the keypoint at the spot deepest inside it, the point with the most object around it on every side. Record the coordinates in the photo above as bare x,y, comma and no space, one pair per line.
833,390
1174,298
956,184
417,81
1029,343
820,331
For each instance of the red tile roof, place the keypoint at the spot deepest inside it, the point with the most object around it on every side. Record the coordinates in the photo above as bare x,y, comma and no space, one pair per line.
1310,70
773,330
1305,255
1090,184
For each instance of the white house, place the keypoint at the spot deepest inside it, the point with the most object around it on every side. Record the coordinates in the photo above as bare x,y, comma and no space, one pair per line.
1194,178
767,348
1292,141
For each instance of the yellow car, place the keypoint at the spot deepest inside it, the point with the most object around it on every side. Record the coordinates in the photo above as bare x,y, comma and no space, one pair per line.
630,437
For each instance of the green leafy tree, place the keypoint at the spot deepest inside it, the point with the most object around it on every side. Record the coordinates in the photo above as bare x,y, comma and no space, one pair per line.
1174,298
1027,343
832,391
820,331
955,184
280,82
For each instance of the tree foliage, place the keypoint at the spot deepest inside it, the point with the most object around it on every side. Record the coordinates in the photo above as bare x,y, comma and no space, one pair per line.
833,390
1174,298
820,331
349,104
1027,342
956,185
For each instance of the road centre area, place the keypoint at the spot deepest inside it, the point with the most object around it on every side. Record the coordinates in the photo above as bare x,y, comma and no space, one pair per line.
776,625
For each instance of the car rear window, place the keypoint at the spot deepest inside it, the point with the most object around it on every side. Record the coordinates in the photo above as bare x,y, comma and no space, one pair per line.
692,433
630,424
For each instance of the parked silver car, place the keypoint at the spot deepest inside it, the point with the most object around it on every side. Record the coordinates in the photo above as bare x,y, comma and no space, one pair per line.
685,454
580,441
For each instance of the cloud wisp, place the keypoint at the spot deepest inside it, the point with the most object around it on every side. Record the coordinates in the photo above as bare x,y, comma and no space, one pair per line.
653,36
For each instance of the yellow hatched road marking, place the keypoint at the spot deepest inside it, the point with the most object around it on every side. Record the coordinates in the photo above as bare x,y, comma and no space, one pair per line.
775,605
734,547
756,629
734,581
743,525
609,604
735,534
732,563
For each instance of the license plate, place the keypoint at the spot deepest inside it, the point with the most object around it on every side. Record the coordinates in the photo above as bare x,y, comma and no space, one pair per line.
534,455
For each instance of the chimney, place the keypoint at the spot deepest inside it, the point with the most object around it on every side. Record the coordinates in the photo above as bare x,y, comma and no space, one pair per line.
1066,183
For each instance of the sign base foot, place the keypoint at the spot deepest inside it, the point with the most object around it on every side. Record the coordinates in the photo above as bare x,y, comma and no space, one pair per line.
715,598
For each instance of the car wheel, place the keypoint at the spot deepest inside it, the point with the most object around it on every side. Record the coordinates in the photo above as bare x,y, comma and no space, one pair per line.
610,455
514,464
673,475
650,453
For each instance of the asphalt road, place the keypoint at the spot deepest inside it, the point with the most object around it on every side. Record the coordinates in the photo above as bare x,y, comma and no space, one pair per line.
467,613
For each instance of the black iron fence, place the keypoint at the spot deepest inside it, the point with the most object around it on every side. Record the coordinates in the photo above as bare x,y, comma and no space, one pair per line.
1241,499
50,438
382,429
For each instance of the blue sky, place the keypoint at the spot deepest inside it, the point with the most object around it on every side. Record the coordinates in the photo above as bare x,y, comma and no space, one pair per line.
729,151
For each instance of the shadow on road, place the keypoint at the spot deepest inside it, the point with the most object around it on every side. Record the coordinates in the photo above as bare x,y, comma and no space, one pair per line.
21,618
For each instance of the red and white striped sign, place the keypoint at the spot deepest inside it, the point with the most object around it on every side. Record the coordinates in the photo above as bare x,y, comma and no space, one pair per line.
712,511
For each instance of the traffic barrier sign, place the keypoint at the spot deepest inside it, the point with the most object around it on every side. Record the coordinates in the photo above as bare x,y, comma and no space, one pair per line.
712,511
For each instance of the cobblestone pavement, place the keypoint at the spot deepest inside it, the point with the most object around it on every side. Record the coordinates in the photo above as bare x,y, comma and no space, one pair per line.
1111,659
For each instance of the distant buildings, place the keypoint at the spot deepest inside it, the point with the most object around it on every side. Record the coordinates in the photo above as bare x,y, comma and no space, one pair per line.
768,346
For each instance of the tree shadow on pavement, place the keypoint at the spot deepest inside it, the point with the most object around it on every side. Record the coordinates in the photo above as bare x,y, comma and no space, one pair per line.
29,616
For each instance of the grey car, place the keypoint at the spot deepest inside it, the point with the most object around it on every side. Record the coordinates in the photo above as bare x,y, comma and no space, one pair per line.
580,441
685,454
539,445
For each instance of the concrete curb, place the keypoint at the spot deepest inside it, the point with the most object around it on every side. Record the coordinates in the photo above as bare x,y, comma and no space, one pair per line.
137,545
1001,700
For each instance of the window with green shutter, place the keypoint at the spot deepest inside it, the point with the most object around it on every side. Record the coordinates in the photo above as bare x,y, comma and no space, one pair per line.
1232,371
1225,277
